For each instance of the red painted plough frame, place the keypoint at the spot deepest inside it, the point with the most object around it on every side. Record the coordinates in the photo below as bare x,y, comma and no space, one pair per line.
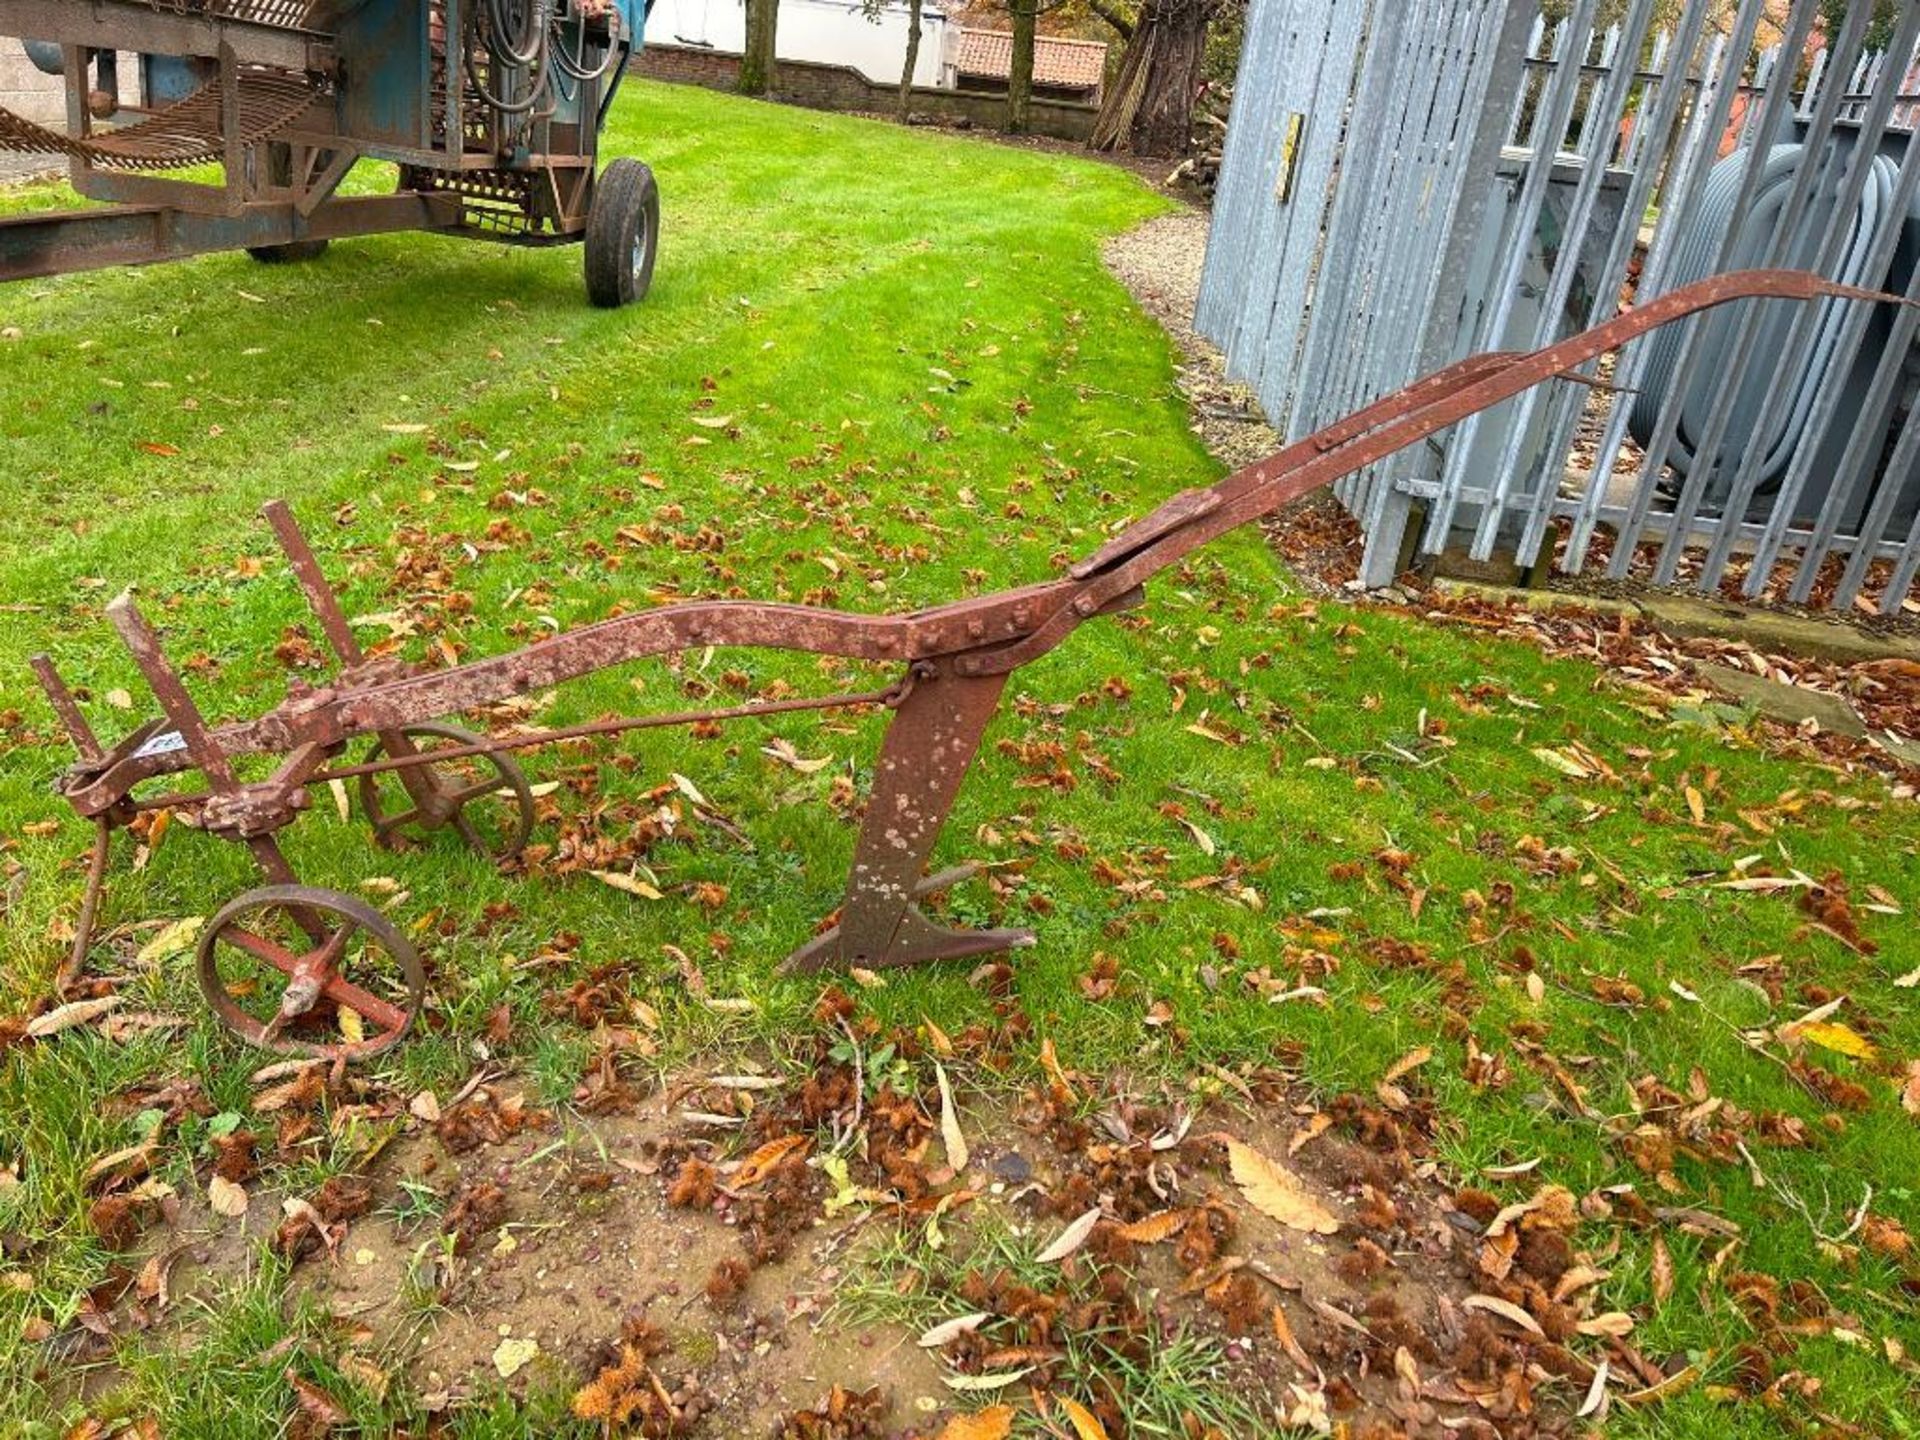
955,660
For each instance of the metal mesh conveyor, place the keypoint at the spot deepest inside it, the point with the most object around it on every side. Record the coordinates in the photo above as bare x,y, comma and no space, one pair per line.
185,133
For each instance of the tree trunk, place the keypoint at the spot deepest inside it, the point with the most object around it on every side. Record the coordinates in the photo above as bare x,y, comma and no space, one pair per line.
1020,70
913,58
1149,110
757,64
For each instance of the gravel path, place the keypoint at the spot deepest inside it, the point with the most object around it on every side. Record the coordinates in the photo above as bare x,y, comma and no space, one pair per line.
1159,262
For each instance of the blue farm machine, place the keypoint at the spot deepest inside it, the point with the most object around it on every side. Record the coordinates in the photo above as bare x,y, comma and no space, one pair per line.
491,110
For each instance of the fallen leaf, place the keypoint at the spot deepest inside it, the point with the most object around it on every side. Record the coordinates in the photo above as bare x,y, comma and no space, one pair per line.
323,1412
995,1381
1666,1389
1596,1401
993,1423
632,884
1412,1060
171,940
764,1161
1283,1332
1152,1229
512,1355
1615,1323
1276,1192
1662,1270
425,1106
1071,1238
950,1136
65,1017
1565,764
226,1198
949,1330
1086,1425
713,422
1506,1310
1831,1035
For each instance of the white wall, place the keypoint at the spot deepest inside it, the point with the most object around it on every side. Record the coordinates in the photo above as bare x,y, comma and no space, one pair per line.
837,32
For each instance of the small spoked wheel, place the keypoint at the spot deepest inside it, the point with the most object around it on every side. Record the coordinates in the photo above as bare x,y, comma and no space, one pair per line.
623,234
307,971
484,798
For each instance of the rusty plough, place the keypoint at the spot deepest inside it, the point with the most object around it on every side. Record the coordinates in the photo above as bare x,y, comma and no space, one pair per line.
342,968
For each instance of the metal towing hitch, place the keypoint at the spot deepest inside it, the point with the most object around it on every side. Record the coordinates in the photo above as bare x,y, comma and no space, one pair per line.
326,948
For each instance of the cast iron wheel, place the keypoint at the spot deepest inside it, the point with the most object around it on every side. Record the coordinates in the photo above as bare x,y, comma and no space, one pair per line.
623,234
485,798
294,252
285,967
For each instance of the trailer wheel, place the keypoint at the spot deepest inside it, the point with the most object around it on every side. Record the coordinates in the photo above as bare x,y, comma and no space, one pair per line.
294,252
623,234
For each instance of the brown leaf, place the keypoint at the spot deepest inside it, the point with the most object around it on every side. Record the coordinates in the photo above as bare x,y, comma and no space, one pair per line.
1662,1270
768,1158
319,1407
993,1423
1289,1342
1277,1192
1152,1229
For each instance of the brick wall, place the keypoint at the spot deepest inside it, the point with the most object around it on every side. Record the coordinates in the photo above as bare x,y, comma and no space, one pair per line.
839,87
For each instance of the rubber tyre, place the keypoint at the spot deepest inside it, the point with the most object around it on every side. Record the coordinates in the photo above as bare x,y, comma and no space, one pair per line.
295,252
623,234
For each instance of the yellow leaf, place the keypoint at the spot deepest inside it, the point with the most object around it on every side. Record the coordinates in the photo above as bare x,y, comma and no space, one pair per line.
1564,763
512,1356
1276,1192
1086,1425
352,1028
1831,1035
171,940
993,1423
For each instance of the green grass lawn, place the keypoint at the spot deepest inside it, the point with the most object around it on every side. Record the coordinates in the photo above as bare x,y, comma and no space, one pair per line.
933,389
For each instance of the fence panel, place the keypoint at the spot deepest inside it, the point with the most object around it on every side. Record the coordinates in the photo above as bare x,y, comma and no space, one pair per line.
1407,182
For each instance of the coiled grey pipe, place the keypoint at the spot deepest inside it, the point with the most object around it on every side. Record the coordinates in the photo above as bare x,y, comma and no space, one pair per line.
1821,365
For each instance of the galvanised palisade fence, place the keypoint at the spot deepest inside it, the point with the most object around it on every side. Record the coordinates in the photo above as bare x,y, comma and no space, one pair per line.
1408,181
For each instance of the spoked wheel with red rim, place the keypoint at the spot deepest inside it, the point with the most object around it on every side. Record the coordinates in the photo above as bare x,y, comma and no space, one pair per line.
485,798
308,971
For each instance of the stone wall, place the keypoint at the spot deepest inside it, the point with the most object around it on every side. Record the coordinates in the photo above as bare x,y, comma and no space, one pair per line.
25,91
839,87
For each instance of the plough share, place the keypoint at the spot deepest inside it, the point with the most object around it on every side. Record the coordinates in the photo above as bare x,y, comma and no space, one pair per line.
325,949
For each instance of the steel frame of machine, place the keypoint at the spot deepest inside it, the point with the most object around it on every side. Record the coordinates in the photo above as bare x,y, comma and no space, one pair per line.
492,109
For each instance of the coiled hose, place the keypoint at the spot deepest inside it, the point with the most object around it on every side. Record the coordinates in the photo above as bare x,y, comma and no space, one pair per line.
513,47
1819,363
